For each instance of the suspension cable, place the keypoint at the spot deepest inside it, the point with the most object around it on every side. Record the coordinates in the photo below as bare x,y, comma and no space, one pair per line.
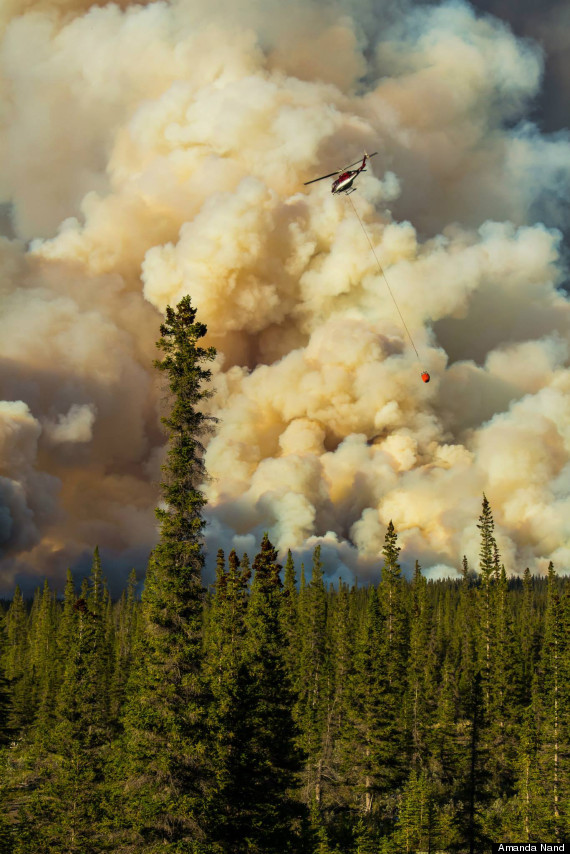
383,275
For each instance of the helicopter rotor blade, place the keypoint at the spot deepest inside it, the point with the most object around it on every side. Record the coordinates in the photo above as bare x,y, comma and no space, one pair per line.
322,176
368,156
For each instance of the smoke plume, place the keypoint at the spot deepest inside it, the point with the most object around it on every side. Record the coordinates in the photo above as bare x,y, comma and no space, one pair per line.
151,151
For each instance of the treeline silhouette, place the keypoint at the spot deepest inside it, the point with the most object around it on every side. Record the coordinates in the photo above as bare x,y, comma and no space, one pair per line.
408,716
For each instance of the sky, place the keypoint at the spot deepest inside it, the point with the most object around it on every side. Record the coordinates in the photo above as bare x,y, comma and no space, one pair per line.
160,149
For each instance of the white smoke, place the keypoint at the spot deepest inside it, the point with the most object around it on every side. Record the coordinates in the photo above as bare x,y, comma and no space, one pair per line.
153,151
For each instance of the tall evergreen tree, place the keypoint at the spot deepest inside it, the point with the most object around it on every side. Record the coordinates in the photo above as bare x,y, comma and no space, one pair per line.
530,800
275,814
5,729
6,831
370,723
420,673
164,718
17,664
554,718
290,621
230,719
415,825
312,705
66,629
125,640
529,638
65,810
43,660
488,562
393,655
506,675
342,632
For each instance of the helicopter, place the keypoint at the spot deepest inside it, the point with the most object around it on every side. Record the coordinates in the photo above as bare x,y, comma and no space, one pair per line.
346,176
343,184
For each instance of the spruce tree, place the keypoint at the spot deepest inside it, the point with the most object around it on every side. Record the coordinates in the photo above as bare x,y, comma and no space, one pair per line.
290,621
313,693
6,831
342,632
420,672
164,717
415,825
5,699
506,675
125,640
230,720
43,658
488,560
394,654
65,811
275,814
371,722
17,664
66,628
554,686
528,634
530,798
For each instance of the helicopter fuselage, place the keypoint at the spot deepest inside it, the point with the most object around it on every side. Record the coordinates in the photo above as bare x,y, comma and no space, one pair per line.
343,184
344,181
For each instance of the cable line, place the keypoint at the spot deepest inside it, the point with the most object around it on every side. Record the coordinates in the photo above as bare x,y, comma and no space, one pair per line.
386,280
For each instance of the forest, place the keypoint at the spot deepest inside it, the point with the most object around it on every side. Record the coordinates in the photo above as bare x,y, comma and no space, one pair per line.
272,712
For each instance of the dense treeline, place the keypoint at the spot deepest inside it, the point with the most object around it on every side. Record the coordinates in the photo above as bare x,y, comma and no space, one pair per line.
408,716
270,714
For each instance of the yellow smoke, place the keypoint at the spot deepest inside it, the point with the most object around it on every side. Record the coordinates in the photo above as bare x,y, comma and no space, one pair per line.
150,151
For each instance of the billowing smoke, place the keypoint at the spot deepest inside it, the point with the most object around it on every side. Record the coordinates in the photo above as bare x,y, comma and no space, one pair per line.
150,151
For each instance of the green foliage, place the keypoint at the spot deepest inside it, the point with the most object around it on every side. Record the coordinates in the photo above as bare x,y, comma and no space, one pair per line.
275,813
17,669
230,724
414,827
404,717
164,717
313,677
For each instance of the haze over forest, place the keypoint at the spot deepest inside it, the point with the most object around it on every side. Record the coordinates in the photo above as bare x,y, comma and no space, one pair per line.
153,150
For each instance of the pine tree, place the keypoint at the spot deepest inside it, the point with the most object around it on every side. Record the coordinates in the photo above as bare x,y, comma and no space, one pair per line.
342,632
125,640
290,621
414,829
164,718
275,816
17,664
43,659
488,564
67,626
6,835
230,719
391,592
466,633
529,639
364,837
5,699
554,717
449,759
65,810
393,654
529,799
371,726
506,677
312,704
421,672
